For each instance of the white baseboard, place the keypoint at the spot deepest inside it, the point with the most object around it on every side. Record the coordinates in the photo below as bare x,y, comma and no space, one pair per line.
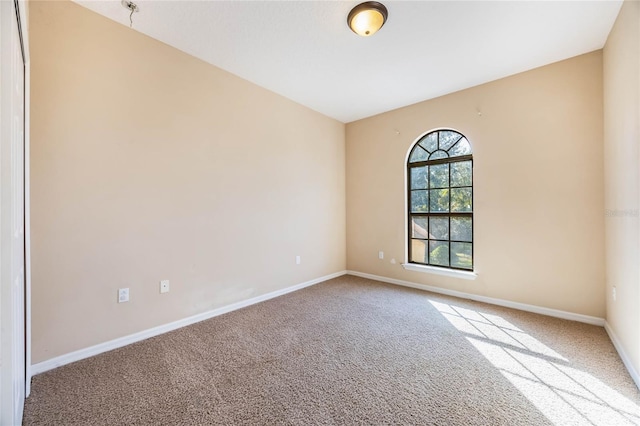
493,301
61,360
623,355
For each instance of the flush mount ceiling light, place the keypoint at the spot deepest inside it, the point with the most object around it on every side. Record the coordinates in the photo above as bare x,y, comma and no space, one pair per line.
367,18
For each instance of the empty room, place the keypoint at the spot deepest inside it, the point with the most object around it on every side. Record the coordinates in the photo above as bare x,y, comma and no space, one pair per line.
319,212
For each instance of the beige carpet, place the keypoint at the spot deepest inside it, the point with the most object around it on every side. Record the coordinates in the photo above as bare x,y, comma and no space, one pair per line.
350,351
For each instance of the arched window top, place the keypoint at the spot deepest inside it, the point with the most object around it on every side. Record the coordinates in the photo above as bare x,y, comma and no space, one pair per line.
440,144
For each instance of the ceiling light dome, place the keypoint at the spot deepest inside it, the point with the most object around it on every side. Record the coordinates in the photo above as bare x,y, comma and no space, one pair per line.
367,18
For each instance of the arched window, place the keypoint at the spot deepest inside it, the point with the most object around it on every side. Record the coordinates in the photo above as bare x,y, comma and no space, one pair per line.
440,201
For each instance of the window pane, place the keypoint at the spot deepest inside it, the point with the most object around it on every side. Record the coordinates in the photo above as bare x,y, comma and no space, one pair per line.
438,154
438,253
419,177
439,200
448,138
418,154
461,148
461,173
419,227
419,201
439,228
461,200
461,229
439,176
430,142
461,255
419,251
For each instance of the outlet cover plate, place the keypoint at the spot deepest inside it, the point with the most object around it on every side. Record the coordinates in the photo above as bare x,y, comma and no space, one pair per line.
164,286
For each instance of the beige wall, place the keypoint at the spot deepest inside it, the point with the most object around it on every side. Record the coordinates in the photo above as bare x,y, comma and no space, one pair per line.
622,179
538,170
149,164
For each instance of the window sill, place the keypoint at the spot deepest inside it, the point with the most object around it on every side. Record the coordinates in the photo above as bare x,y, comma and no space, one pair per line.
440,271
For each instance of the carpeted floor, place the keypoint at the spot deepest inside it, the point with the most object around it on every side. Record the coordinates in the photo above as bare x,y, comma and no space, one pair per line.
350,351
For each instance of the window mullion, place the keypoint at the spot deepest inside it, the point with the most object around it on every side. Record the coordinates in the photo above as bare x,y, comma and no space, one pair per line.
428,244
458,159
449,216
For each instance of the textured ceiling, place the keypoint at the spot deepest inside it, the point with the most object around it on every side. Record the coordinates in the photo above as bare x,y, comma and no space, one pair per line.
304,50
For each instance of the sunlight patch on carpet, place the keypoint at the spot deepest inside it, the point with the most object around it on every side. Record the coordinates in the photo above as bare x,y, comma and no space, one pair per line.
562,392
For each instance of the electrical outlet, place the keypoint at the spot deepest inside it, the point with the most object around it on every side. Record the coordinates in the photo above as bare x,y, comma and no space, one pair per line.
164,286
380,255
123,295
614,294
298,260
